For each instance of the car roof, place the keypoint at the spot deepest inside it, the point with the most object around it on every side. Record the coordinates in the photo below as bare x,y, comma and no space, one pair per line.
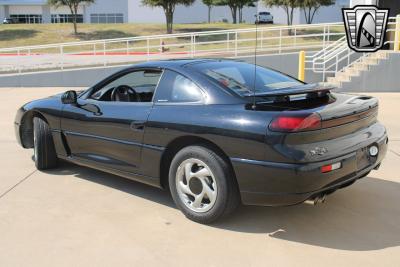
178,63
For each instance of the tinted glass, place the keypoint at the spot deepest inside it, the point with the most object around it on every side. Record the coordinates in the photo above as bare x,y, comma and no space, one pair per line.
174,87
144,82
239,77
138,79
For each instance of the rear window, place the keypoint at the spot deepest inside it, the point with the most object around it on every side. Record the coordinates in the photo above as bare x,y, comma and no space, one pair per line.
176,88
240,77
264,13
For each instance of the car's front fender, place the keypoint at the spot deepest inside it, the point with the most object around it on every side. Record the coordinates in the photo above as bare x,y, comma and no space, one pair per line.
49,109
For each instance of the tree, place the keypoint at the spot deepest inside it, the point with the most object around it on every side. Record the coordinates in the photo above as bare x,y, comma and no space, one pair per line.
73,7
236,7
310,8
241,5
233,5
287,5
209,4
169,8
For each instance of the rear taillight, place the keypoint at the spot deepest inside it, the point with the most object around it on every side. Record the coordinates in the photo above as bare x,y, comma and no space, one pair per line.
295,123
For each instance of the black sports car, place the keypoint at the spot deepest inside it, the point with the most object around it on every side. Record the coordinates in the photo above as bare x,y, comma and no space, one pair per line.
216,133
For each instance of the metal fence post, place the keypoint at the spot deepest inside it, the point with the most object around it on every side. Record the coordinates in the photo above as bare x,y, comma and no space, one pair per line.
295,36
19,59
227,41
194,45
62,57
280,40
191,45
148,49
337,63
329,34
323,47
104,53
236,44
127,47
262,38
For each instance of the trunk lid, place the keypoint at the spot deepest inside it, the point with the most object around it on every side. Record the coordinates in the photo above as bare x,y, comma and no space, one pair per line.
347,108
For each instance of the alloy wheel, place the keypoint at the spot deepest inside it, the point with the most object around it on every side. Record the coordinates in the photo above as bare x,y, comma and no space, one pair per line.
196,185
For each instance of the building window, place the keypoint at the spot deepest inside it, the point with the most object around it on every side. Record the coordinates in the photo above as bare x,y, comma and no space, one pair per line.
27,18
107,18
66,18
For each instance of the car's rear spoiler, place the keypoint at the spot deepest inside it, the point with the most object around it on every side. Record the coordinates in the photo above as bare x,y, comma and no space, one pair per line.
297,90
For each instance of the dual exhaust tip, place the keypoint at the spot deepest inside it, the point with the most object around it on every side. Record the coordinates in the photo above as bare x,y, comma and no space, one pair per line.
316,200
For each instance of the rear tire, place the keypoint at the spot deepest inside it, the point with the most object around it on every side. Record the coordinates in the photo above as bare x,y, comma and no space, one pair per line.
44,151
210,193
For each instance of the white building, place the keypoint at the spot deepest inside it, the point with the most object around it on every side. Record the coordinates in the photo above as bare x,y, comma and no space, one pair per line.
115,11
132,11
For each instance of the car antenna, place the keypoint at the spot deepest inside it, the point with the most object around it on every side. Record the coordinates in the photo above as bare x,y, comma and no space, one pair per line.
255,60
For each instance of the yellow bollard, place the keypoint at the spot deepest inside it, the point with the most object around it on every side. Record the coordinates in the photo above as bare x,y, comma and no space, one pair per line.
302,65
397,35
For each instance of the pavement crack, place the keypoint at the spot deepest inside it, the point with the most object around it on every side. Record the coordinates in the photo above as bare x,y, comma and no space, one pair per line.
17,184
394,152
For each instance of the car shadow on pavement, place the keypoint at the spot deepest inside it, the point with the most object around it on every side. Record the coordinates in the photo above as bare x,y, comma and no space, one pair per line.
362,217
119,183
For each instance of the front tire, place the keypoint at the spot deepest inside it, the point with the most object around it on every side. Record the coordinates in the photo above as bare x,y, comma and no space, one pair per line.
44,151
202,185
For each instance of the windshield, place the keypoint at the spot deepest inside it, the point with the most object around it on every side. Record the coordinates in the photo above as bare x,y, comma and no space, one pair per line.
239,77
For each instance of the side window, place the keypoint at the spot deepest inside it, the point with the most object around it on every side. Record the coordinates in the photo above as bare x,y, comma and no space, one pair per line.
176,88
143,82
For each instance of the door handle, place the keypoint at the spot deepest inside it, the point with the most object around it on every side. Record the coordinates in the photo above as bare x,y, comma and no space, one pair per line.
137,125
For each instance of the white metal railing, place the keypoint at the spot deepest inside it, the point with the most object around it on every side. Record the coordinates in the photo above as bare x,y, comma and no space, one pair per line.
123,51
393,26
337,56
331,58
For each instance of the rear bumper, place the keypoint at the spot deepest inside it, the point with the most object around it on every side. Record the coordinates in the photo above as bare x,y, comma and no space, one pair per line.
265,21
282,184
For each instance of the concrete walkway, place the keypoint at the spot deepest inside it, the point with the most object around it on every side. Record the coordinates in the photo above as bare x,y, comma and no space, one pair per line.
74,216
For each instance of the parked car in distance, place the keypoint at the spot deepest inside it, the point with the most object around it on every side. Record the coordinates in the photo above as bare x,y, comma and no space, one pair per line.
8,21
264,17
216,133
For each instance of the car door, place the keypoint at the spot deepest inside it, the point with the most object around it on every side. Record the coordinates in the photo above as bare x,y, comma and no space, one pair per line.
109,133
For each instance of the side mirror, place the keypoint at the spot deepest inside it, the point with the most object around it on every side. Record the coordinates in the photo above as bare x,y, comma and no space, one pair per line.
69,97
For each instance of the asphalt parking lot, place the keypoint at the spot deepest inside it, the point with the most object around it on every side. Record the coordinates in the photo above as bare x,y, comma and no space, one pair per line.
75,216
